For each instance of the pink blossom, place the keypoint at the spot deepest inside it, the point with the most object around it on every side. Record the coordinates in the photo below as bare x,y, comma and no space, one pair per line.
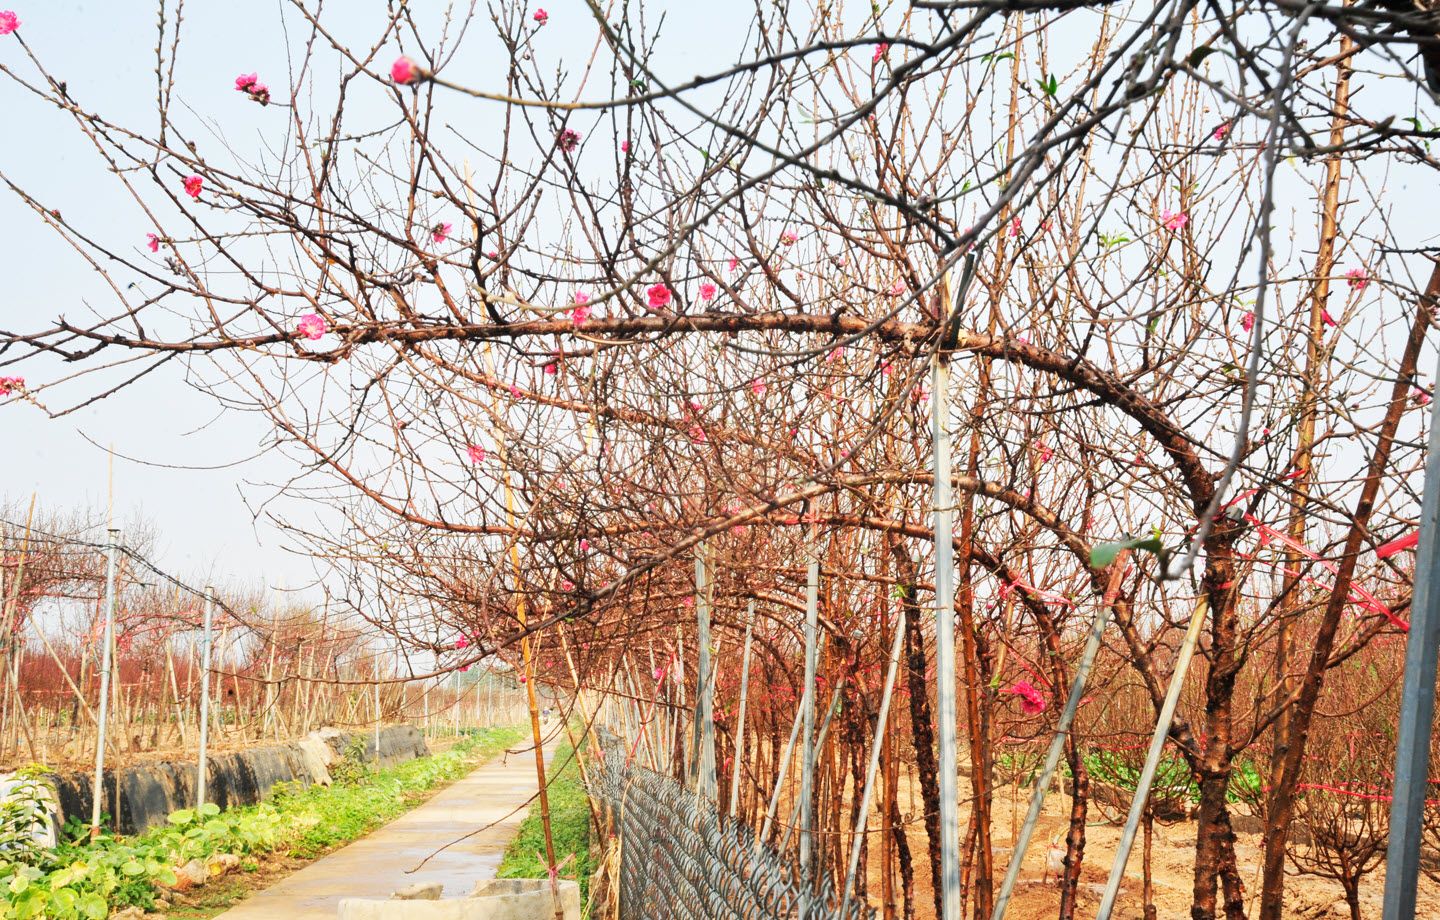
567,586
1327,319
1247,322
1043,451
441,231
920,394
758,386
697,433
245,81
707,291
260,93
154,243
880,50
550,369
541,17
514,391
689,602
835,354
568,140
580,314
659,673
789,237
1015,225
464,667
1421,397
659,296
582,298
624,146
1174,220
897,289
462,642
8,22
732,264
1358,278
10,385
312,326
522,678
193,185
886,368
405,71
1031,700
492,254
1221,131
584,545
476,454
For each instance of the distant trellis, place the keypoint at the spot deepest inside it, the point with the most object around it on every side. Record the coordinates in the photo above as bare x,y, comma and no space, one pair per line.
679,859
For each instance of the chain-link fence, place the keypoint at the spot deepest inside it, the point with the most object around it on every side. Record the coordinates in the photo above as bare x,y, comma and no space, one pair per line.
680,859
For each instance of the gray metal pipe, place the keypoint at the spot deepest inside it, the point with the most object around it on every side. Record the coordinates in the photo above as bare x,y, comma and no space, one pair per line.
1052,759
106,666
874,763
1152,759
202,766
1417,701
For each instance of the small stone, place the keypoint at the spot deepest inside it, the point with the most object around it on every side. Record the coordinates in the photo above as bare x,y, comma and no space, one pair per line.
420,891
129,913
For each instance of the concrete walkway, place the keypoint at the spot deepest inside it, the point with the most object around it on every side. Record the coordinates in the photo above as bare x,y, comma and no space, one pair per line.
375,866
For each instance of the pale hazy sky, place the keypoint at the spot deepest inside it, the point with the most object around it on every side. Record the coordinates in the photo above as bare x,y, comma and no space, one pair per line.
105,53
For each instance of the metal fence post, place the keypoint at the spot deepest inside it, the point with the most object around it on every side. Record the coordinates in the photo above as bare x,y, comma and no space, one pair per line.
203,768
1417,701
740,719
945,705
107,664
807,762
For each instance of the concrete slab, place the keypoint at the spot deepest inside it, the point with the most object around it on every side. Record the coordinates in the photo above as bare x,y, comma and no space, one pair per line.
375,866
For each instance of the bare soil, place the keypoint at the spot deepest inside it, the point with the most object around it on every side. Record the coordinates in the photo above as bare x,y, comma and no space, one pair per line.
1172,865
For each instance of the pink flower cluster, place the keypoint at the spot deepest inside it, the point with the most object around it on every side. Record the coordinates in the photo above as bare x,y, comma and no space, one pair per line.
406,71
707,291
1358,278
10,385
441,231
249,83
1031,700
8,23
568,140
193,184
880,50
312,326
789,237
658,296
476,454
1174,220
154,243
541,17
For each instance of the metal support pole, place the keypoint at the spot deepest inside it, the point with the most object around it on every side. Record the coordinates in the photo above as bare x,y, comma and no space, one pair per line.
880,723
1152,759
106,665
784,766
202,768
945,705
1052,759
807,762
703,769
1417,700
740,719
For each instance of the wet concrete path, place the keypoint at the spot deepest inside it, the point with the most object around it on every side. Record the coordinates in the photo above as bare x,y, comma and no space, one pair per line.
375,866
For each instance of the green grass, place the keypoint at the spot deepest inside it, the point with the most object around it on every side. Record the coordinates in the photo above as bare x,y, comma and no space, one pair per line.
569,829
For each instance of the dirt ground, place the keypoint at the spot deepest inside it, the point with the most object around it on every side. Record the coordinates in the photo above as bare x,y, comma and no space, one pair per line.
1173,858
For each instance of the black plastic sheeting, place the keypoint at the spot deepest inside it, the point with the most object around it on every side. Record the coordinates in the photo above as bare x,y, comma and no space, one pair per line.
144,795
